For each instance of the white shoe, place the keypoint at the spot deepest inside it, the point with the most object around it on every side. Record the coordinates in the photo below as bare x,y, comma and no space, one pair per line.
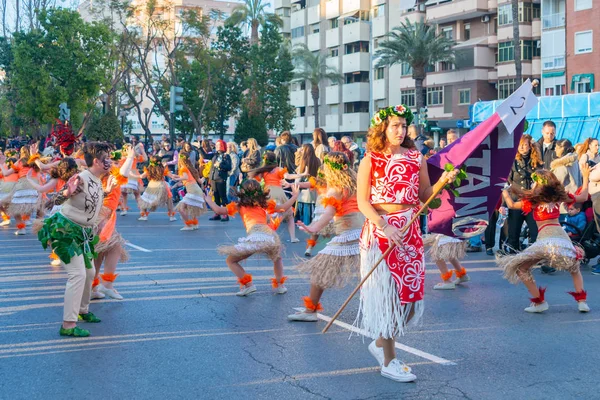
20,232
172,219
397,371
28,222
195,227
444,286
143,219
583,307
112,293
246,290
537,307
56,263
295,240
5,223
97,295
304,316
123,213
377,352
281,289
308,252
462,279
187,228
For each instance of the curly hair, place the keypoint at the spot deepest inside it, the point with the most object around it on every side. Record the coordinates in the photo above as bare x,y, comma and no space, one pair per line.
184,162
377,140
344,179
65,169
252,194
535,158
551,192
585,146
269,164
155,169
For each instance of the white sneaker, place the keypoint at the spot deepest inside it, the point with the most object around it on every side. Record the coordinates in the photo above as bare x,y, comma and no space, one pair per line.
172,219
187,228
462,279
397,371
112,293
246,290
304,316
308,252
583,307
97,295
281,289
377,352
537,307
5,223
195,227
56,263
143,219
444,286
20,232
123,213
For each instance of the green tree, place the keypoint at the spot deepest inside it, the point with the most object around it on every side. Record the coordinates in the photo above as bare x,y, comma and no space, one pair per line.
417,45
104,128
253,13
250,125
313,68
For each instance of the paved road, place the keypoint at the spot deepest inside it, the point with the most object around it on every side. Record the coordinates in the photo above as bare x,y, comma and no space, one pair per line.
181,333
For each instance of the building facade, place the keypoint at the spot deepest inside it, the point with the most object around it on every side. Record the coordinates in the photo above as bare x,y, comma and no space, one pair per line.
582,31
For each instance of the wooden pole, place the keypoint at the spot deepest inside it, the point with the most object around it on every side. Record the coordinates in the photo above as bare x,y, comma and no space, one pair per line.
436,191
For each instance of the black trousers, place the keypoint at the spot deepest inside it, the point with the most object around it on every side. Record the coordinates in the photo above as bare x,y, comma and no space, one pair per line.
220,191
490,232
515,224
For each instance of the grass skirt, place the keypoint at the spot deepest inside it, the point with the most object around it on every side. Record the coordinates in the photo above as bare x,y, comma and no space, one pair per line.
131,186
552,248
155,195
6,191
114,240
336,264
25,199
444,248
193,203
260,240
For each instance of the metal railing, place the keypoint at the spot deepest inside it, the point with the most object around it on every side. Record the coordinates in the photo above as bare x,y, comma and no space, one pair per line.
553,62
553,21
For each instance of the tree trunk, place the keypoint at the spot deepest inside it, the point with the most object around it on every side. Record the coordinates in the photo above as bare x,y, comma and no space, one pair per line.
517,43
254,33
419,95
314,91
18,19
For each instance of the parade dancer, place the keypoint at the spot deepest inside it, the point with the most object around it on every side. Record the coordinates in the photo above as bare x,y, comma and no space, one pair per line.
273,176
442,248
392,181
254,208
192,205
111,245
157,192
339,261
7,187
133,184
70,233
553,246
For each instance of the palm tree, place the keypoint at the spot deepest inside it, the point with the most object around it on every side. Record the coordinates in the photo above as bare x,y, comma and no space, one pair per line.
517,43
252,14
417,45
313,68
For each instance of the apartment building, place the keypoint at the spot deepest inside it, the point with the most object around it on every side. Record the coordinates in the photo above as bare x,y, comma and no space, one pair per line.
582,32
346,30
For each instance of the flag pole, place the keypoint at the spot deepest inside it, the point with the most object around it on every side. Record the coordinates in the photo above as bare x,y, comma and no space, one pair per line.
436,191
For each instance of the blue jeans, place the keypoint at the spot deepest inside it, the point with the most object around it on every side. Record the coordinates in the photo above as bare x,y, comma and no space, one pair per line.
475,241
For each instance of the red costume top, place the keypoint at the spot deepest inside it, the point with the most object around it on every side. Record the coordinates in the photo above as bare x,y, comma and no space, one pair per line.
544,211
395,178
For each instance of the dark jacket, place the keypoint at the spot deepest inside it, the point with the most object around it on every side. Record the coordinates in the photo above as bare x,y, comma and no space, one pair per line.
206,155
520,174
285,155
549,155
221,165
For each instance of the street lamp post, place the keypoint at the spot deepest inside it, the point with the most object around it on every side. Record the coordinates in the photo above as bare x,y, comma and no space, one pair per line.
123,114
104,98
146,120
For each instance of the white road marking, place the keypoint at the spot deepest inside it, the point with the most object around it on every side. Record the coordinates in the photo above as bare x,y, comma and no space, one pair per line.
399,346
138,248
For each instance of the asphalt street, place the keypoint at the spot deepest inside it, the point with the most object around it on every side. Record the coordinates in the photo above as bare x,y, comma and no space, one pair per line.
181,333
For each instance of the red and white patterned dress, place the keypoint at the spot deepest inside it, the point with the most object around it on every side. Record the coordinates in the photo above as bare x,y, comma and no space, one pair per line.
397,285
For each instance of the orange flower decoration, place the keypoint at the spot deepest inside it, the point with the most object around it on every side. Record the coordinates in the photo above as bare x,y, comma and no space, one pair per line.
33,158
271,206
313,182
332,201
232,209
274,223
109,277
116,173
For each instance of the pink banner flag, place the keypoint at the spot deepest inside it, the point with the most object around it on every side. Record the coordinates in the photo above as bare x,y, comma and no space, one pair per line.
488,153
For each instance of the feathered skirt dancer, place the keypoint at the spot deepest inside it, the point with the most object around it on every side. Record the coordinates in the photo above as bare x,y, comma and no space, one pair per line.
261,239
193,203
25,200
157,194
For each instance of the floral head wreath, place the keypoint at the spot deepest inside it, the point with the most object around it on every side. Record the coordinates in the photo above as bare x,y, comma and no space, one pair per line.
266,160
399,111
116,155
335,165
252,194
539,179
153,164
183,156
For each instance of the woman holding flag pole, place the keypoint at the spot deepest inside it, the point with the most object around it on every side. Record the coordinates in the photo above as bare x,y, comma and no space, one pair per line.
392,181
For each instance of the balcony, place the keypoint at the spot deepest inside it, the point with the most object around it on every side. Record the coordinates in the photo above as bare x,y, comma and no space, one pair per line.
298,40
355,5
332,9
553,21
553,62
298,19
281,3
536,67
355,62
492,76
414,16
379,27
505,32
536,28
285,28
492,4
298,98
508,70
355,122
313,41
457,10
313,14
332,37
356,32
456,76
332,123
355,92
332,94
333,62
379,89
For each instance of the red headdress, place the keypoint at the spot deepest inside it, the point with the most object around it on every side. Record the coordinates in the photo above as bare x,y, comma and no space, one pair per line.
64,137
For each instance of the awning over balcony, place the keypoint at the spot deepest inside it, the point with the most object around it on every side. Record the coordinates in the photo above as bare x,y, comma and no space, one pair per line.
577,78
472,42
553,74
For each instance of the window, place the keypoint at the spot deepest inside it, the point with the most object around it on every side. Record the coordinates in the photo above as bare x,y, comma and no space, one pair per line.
357,47
464,96
446,66
407,97
154,124
504,14
314,28
583,42
333,23
356,77
334,109
333,52
359,16
537,11
549,92
583,86
283,12
529,49
467,31
297,32
380,104
506,51
356,107
505,88
379,73
406,69
447,32
435,96
560,89
301,111
379,11
582,4
302,85
527,12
